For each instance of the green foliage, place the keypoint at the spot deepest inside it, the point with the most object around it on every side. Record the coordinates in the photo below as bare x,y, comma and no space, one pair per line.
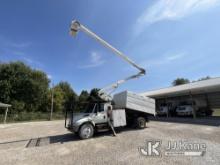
30,116
58,99
83,97
93,96
180,81
27,90
69,95
23,87
204,78
89,97
64,97
20,106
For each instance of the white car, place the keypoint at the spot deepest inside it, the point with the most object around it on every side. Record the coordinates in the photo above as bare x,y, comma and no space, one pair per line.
184,110
162,110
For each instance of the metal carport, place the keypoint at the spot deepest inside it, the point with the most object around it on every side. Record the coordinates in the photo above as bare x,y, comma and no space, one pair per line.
209,89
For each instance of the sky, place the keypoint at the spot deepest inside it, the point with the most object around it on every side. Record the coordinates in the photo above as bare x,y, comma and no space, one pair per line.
169,38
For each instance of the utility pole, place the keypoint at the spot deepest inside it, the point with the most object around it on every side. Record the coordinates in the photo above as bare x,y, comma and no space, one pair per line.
6,113
52,95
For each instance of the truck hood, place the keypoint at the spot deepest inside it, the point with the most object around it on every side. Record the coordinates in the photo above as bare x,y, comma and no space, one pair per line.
78,116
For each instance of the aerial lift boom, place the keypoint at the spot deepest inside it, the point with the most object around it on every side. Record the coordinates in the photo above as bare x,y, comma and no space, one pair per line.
105,92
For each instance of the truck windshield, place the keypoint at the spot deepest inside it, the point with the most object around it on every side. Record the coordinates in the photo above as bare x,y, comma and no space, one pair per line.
85,107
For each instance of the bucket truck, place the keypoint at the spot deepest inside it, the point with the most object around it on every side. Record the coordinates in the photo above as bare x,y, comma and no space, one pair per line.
125,108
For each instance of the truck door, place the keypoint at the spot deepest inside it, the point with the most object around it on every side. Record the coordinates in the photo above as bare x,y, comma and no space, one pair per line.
100,114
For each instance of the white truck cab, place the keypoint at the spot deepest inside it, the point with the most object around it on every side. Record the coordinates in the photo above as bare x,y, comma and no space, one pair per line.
92,114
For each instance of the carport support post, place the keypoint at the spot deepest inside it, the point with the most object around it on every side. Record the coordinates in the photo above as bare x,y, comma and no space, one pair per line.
207,101
194,112
167,107
6,113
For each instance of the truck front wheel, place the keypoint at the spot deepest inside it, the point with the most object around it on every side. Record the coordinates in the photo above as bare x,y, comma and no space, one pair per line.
86,131
140,122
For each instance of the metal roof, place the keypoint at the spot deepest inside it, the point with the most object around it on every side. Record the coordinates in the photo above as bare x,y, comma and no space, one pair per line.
198,87
2,105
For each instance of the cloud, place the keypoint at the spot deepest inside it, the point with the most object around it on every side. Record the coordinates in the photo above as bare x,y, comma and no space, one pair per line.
9,43
33,63
14,48
20,45
15,52
163,60
175,56
28,60
95,61
172,10
49,76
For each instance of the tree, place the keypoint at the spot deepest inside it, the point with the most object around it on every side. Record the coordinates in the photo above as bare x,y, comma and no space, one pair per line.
204,78
83,97
59,99
69,95
180,81
93,96
23,87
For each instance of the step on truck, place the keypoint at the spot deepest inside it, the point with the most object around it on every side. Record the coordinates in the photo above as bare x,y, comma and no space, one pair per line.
126,109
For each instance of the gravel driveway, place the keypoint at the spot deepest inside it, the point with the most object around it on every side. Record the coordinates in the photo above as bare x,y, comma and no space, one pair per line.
50,143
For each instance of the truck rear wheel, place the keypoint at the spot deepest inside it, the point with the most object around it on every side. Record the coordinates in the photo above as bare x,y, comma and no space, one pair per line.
140,122
86,131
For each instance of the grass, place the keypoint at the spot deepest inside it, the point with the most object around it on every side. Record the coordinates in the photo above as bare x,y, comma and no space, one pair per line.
30,116
216,112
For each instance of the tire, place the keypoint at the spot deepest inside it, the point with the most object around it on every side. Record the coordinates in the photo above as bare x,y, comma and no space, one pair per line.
140,123
86,131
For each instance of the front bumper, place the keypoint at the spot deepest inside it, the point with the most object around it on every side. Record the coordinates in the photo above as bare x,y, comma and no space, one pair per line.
73,128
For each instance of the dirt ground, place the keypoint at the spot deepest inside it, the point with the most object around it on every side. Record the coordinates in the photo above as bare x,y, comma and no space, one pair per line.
49,142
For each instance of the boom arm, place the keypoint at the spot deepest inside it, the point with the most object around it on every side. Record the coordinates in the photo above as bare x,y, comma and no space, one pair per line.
75,27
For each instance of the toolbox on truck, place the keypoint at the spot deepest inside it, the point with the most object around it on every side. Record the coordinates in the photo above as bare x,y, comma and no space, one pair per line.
133,101
119,119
